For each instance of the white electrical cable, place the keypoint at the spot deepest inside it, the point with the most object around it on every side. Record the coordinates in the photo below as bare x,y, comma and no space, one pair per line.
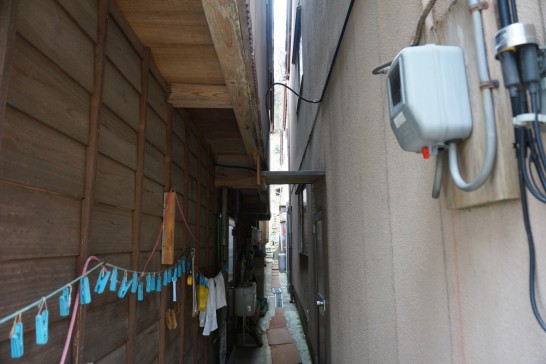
489,114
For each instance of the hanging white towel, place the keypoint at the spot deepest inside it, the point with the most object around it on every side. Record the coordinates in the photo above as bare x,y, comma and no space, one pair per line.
215,300
220,291
207,319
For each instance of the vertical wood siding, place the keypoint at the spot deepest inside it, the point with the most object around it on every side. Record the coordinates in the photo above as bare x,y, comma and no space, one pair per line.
143,147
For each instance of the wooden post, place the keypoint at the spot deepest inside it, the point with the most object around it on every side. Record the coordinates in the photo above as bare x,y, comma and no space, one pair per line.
8,13
91,163
167,247
198,236
137,212
187,244
167,180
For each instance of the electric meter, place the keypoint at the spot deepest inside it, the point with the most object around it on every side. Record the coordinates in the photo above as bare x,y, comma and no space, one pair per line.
428,97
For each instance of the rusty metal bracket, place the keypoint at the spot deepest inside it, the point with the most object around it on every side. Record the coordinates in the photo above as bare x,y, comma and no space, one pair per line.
489,84
482,5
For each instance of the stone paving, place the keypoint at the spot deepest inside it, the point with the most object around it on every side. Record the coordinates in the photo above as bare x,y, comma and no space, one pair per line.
283,340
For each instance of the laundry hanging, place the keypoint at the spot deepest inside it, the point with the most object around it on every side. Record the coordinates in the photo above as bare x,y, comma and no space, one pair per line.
216,299
134,284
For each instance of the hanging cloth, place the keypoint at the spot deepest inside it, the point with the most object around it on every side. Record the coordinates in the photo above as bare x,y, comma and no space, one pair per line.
220,291
207,319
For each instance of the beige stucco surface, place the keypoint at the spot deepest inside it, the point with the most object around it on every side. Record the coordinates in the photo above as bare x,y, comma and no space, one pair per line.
410,280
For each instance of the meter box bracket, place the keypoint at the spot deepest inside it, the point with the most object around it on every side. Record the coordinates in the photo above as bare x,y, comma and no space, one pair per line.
428,97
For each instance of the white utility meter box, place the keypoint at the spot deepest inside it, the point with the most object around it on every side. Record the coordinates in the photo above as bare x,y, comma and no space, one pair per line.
428,97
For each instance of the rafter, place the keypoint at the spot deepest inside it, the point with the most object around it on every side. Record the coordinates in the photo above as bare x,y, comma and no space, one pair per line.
229,29
186,95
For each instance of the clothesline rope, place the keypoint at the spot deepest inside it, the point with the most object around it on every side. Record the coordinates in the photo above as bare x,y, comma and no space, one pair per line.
42,301
101,263
39,301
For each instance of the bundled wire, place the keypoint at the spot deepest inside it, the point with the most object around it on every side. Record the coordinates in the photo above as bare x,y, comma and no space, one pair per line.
528,141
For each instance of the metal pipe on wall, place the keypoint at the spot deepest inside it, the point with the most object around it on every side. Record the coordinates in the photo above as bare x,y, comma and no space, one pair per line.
289,248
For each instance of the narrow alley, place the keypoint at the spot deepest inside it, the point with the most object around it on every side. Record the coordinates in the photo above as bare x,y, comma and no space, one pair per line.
272,181
282,335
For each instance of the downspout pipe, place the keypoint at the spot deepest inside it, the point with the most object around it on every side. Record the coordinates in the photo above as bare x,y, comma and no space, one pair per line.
489,115
288,249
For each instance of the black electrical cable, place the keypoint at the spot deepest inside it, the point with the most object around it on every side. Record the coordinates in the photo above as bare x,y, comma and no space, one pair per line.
291,90
416,40
536,129
523,140
379,69
347,16
514,10
542,187
527,180
419,29
505,16
520,146
334,58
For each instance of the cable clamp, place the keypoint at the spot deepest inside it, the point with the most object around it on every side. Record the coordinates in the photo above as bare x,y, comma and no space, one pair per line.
489,84
482,5
526,120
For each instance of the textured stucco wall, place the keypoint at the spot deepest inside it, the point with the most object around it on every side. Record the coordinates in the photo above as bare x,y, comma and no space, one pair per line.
410,280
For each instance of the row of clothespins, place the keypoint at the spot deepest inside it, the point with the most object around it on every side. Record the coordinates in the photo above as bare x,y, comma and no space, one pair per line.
139,283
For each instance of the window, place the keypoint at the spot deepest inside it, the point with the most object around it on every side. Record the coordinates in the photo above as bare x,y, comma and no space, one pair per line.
297,58
302,219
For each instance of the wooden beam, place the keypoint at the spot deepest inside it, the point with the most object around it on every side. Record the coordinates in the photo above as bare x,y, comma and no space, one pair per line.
233,160
235,181
291,177
92,149
229,29
137,213
188,95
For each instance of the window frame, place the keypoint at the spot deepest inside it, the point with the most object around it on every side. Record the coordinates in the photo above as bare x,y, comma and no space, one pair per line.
303,216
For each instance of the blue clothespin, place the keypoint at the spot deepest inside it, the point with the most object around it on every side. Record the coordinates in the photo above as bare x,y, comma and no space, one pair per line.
158,284
114,280
134,284
152,283
102,280
166,279
124,286
179,270
148,283
184,266
16,338
85,292
65,299
174,275
140,295
42,321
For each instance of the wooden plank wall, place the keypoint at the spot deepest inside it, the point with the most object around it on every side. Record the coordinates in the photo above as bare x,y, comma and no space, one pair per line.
69,190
